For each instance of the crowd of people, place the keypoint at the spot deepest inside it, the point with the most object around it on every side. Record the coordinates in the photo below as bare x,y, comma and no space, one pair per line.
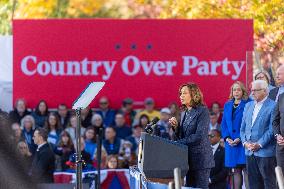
121,130
249,135
251,131
245,136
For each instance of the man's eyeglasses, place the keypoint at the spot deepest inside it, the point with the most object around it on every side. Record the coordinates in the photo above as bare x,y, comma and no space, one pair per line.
260,77
256,90
211,136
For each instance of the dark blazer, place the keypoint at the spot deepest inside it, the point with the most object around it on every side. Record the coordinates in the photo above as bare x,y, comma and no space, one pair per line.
273,93
193,132
43,165
278,127
219,173
278,116
16,117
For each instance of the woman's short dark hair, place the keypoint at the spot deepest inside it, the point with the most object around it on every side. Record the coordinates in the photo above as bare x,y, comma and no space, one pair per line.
195,93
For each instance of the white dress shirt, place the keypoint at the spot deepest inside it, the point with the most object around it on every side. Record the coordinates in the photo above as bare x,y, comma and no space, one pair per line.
257,107
280,91
215,147
39,146
213,126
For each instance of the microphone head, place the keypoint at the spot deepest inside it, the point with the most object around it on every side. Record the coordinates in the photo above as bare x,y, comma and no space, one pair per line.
149,130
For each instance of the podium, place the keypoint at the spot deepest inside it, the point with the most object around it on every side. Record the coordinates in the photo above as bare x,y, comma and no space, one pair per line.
157,157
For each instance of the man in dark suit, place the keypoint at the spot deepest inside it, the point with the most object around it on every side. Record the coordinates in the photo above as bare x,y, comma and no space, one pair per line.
219,173
274,93
278,130
44,161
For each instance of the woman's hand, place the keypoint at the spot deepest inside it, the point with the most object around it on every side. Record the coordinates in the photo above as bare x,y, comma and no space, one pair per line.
236,141
173,122
230,141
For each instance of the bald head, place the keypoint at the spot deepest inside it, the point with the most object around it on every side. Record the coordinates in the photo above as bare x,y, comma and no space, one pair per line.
280,75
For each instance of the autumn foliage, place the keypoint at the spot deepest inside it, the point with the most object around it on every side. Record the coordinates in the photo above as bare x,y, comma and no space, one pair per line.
268,15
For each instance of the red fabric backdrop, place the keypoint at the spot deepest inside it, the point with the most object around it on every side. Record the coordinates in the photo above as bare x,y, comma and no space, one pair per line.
56,59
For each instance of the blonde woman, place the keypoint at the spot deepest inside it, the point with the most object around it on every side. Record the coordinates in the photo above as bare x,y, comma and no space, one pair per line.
231,123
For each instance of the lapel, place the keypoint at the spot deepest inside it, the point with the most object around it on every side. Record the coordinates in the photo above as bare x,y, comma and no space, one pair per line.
275,93
38,155
181,118
217,152
189,118
230,115
43,148
281,102
259,115
230,110
249,114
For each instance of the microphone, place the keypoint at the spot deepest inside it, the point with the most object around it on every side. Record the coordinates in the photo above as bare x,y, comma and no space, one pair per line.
150,126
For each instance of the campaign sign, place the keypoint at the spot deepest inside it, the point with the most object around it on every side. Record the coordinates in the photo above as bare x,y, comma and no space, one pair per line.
55,60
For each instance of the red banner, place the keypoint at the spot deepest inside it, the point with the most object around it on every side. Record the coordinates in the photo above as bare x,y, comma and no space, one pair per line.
56,59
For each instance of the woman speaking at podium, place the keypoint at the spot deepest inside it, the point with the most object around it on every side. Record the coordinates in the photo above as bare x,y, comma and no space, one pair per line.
192,130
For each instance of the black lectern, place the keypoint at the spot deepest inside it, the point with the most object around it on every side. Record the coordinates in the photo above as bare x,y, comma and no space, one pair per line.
157,157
